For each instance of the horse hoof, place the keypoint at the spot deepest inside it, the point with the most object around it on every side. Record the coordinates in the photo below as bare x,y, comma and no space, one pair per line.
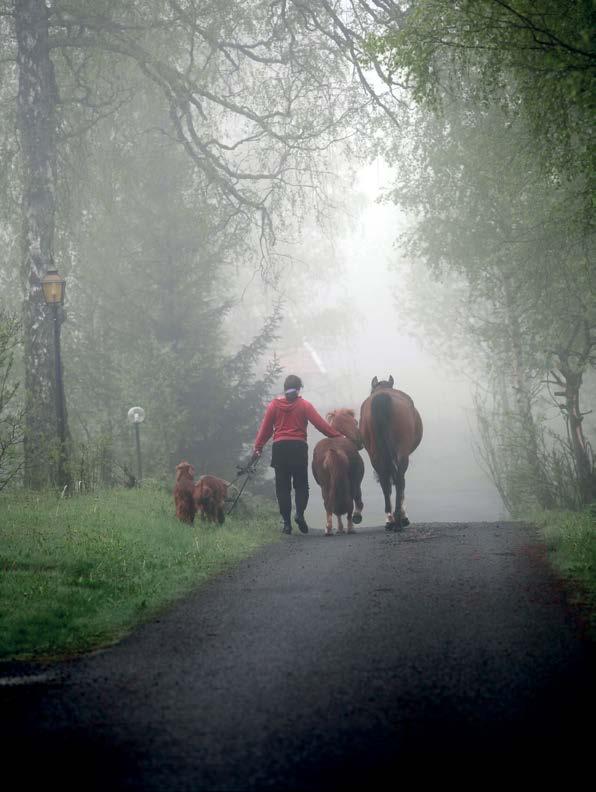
390,526
357,518
351,531
404,522
328,533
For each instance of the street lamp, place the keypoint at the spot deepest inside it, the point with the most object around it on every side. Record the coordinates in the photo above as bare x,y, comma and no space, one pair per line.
53,287
136,416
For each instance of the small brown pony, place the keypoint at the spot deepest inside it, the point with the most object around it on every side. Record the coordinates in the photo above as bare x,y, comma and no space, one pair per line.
209,496
183,492
338,469
391,430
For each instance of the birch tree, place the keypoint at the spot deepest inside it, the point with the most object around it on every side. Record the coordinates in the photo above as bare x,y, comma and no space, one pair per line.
252,91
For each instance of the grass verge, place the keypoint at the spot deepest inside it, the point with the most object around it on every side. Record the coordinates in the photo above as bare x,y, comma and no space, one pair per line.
570,538
79,573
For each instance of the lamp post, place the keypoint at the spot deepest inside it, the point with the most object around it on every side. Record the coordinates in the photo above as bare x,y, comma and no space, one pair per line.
136,416
53,286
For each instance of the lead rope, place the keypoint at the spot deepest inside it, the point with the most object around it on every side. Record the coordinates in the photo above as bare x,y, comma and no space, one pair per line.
249,471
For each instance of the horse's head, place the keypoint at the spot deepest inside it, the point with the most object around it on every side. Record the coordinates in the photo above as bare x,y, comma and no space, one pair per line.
388,383
344,420
184,471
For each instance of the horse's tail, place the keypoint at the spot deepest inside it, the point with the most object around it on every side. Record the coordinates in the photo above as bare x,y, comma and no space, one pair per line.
337,465
381,406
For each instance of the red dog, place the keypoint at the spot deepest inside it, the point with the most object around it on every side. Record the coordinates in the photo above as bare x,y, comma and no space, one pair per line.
183,492
209,495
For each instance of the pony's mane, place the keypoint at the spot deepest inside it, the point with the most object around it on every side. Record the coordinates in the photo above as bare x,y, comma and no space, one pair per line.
339,412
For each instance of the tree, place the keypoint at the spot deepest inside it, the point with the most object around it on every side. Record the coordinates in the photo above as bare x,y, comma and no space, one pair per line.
497,166
11,411
490,216
541,51
153,268
250,93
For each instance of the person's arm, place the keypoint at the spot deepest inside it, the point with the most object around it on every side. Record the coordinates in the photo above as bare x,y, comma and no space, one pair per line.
265,430
320,423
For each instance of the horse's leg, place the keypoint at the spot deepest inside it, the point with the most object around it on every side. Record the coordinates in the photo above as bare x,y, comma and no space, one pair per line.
401,518
329,524
340,525
350,518
385,482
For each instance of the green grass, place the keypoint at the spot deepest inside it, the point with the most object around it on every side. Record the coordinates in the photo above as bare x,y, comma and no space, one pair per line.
570,539
78,573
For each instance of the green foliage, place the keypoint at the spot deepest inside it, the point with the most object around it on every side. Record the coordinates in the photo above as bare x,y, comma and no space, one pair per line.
11,413
187,136
495,167
571,541
152,261
78,573
534,56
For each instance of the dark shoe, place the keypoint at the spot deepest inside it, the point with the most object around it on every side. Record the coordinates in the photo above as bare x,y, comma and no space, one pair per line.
286,528
301,523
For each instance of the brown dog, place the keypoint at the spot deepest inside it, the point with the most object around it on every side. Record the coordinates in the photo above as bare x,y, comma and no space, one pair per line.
209,496
183,492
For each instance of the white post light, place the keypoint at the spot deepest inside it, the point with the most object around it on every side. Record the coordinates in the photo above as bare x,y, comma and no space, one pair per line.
136,416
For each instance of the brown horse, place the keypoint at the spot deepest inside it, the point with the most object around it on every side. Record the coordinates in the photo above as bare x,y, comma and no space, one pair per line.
391,430
338,469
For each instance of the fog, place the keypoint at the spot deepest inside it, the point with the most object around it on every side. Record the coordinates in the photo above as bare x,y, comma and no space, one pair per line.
444,481
205,217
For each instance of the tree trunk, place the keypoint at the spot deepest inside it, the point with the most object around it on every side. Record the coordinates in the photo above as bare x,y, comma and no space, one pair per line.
586,476
36,104
523,401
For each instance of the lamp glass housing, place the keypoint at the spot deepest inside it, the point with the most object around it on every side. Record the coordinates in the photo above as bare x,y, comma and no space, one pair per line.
53,288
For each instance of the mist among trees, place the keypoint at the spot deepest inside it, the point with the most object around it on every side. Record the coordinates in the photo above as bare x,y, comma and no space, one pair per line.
162,155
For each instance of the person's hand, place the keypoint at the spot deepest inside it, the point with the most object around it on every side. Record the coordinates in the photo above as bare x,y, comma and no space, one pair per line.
247,466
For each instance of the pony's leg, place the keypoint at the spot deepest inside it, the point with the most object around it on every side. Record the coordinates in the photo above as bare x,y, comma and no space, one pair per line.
358,505
329,524
356,475
340,525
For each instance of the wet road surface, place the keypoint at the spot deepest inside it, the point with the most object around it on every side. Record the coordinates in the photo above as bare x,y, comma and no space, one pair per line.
322,664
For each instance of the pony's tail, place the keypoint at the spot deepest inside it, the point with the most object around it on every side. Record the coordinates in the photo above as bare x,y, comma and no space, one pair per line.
380,410
337,466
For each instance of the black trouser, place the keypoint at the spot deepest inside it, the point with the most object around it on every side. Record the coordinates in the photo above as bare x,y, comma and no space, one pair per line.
290,462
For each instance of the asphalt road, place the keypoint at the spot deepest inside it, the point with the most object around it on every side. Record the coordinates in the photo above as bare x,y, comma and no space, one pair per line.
323,664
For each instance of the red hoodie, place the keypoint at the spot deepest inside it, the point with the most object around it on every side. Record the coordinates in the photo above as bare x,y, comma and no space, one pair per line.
287,420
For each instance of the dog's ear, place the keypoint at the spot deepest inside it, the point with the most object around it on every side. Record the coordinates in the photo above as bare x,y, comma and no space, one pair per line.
390,381
374,383
330,416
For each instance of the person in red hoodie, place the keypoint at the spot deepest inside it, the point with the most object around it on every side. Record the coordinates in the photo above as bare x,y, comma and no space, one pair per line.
287,418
